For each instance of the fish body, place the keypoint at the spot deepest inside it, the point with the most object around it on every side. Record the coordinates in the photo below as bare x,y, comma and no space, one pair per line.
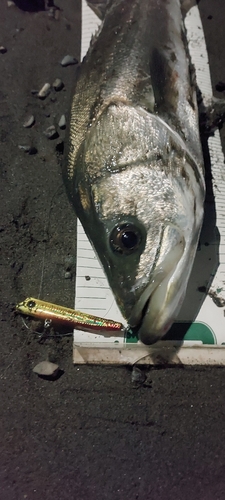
134,169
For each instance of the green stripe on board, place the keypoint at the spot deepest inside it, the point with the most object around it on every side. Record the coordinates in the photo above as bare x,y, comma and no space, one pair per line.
197,331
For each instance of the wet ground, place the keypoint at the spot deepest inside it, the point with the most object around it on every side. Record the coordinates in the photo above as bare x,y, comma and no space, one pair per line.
90,434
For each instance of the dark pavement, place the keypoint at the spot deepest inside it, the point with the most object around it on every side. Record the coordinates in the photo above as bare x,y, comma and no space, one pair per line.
90,435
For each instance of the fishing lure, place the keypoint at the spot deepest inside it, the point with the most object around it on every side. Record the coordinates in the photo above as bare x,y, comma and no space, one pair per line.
67,317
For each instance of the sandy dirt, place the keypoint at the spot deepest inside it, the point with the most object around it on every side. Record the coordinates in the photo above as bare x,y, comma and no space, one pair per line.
90,434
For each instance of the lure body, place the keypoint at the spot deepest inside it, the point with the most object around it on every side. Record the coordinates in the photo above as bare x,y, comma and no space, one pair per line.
65,316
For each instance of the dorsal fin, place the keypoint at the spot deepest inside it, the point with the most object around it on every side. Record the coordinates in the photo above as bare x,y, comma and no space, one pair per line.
99,7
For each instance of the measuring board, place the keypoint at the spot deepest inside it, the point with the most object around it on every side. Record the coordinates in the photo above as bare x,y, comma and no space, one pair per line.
198,335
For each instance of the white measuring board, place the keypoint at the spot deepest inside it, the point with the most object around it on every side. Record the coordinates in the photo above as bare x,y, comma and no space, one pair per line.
202,319
210,313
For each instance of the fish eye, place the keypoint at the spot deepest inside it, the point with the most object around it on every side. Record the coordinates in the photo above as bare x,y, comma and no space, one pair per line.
125,238
31,304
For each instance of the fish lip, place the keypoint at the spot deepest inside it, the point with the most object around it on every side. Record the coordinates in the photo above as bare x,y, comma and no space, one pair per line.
149,337
146,307
135,321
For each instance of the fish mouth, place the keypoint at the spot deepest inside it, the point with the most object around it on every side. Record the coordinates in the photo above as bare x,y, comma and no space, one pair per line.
159,304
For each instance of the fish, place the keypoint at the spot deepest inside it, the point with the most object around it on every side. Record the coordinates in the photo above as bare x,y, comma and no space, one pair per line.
134,168
65,316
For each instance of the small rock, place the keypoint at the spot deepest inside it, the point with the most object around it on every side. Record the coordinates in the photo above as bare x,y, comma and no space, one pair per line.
68,61
60,148
220,86
51,132
45,91
25,148
58,84
29,121
70,262
51,12
3,50
137,376
31,150
10,3
68,275
62,122
46,369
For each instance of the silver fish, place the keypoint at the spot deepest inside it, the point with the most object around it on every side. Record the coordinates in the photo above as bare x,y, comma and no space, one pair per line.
134,168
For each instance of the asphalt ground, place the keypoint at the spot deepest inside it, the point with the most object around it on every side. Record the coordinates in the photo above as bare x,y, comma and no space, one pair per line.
90,434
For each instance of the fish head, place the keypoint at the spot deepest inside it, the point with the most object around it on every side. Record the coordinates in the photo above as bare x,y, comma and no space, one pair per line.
140,201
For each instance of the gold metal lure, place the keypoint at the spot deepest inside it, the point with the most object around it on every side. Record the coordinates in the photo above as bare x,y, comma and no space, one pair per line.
59,314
